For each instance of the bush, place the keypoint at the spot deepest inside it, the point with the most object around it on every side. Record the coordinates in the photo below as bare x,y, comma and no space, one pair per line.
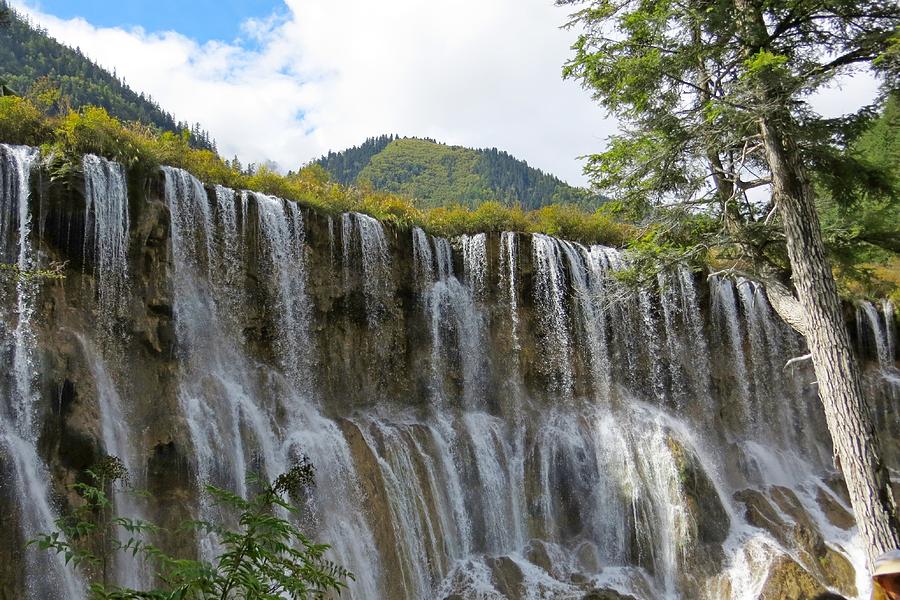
93,131
21,122
141,149
493,216
264,556
392,209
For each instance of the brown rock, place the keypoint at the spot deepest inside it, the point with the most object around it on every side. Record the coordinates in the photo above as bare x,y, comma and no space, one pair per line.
538,554
588,558
819,560
789,581
759,512
507,577
834,511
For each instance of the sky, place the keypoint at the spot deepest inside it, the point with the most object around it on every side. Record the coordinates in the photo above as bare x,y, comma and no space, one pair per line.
288,81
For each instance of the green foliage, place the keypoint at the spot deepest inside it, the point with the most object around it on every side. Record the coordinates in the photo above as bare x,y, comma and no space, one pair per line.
30,58
21,122
859,221
54,271
440,175
264,557
691,84
344,167
567,222
93,131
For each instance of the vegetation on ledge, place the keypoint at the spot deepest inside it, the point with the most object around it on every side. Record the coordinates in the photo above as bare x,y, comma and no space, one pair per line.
141,149
30,59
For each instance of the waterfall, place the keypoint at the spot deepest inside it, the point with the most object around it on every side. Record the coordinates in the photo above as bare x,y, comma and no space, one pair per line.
216,389
876,331
229,402
457,325
887,309
281,228
696,337
106,234
423,257
550,295
508,262
443,255
724,309
118,440
474,259
364,234
545,431
19,428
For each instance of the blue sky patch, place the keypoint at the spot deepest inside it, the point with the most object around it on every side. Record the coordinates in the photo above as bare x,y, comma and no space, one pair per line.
202,20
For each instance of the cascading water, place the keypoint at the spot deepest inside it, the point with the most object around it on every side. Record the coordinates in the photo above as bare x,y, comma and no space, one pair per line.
21,411
508,261
281,228
474,259
106,235
366,234
724,308
118,441
229,402
456,324
550,292
550,431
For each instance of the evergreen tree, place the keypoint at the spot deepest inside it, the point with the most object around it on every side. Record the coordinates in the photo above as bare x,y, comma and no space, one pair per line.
712,95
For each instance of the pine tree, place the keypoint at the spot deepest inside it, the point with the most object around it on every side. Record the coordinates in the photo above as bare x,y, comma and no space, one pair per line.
712,97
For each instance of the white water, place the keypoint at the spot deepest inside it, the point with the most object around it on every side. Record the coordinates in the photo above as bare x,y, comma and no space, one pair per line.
20,409
580,458
230,402
550,293
474,260
120,441
364,244
106,236
508,266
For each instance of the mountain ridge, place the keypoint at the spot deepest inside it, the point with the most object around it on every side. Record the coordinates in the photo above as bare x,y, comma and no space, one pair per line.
438,174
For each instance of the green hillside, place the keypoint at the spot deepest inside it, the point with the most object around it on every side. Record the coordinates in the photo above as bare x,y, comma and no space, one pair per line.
436,174
33,63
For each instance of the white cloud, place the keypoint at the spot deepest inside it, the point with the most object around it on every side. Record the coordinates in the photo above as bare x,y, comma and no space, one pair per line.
329,73
333,72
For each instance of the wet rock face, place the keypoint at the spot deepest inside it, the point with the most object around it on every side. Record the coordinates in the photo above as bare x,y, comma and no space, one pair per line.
486,414
787,579
782,514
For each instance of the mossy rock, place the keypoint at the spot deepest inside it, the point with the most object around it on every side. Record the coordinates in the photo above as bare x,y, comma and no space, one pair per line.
822,561
789,581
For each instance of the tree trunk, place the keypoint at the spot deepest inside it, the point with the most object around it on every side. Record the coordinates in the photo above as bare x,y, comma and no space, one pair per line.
846,410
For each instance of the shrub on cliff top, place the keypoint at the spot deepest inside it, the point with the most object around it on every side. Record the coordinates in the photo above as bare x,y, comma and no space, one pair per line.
140,148
21,122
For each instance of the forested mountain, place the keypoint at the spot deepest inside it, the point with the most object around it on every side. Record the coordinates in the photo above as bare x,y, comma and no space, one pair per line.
344,166
437,174
32,62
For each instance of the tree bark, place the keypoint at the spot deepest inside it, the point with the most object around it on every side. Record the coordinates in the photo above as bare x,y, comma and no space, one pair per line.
838,376
847,412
